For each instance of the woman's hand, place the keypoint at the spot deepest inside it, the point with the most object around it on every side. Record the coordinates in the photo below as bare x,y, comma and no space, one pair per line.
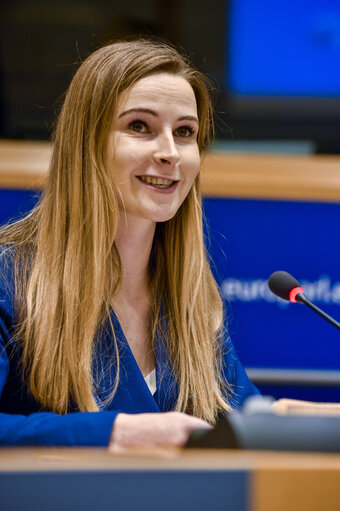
170,429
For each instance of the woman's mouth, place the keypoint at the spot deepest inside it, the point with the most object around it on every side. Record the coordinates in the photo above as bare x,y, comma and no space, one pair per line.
158,182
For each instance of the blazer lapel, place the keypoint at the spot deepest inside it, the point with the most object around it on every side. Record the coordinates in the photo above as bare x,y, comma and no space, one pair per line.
133,394
167,388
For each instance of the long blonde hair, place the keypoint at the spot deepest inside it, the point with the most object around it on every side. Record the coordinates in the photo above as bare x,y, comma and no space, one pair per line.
68,268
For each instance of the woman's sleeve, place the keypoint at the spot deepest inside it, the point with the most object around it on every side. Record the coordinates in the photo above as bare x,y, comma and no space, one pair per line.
238,383
45,428
50,429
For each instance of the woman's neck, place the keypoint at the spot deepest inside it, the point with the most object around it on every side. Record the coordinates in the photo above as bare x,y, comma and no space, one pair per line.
132,302
133,240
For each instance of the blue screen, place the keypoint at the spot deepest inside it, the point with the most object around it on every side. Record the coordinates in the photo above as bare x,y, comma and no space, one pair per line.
289,48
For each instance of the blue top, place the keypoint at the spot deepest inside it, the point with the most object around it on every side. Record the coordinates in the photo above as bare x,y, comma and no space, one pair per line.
22,421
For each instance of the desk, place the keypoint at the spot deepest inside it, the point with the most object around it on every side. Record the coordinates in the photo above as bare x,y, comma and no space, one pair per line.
92,479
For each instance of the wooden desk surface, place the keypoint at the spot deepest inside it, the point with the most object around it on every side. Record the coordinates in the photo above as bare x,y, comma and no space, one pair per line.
279,481
24,164
192,459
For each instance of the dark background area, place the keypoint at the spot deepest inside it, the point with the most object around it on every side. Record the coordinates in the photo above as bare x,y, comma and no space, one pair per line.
42,43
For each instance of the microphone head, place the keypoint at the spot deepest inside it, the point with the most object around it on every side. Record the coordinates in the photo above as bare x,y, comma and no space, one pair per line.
282,283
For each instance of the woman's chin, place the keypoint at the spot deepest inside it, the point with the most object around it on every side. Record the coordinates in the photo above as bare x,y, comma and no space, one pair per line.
157,212
163,216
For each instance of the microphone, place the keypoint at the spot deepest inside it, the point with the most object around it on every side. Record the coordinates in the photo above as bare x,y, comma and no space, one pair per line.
287,287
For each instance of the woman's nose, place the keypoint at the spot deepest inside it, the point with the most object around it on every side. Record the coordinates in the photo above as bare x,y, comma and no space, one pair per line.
166,152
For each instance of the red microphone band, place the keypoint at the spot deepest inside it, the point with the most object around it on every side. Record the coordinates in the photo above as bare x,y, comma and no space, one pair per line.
292,294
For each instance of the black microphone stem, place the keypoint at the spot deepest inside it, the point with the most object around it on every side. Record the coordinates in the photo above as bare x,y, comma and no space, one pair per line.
303,299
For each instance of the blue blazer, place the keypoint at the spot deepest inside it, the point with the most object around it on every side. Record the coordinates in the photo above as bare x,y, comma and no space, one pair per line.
23,422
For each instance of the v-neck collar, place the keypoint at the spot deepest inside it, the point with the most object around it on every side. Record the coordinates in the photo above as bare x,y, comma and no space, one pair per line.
133,394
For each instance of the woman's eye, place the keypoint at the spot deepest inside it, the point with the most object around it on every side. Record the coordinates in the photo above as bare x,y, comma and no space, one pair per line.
185,131
138,126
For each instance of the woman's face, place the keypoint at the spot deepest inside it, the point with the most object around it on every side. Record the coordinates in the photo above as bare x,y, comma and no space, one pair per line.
152,148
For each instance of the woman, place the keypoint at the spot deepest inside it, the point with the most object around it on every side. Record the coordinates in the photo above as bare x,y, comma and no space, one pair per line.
105,284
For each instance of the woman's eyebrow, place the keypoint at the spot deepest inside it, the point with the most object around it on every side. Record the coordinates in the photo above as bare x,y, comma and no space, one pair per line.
142,110
188,118
155,114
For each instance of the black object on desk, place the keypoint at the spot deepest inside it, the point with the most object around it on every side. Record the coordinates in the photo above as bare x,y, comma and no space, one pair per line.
267,431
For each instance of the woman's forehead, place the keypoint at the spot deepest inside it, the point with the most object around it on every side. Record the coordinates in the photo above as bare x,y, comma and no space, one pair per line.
162,89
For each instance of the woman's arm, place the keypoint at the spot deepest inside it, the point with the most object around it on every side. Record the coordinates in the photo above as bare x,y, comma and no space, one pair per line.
42,428
98,429
49,429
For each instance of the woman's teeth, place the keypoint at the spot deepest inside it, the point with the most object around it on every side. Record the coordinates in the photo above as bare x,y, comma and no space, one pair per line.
159,182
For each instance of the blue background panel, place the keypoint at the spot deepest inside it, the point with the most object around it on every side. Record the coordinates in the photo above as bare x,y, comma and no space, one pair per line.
289,48
251,239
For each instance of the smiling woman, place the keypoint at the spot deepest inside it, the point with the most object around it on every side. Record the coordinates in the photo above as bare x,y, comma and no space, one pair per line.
107,301
152,146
